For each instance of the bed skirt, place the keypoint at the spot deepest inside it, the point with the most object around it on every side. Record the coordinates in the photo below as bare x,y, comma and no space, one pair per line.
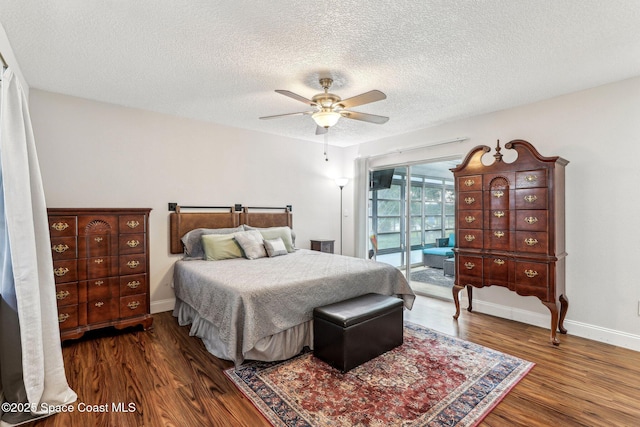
280,346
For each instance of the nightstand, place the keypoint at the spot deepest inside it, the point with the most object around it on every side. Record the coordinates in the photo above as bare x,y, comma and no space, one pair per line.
322,246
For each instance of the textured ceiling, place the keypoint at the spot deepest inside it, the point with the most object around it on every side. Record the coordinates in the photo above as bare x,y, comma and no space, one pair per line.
220,61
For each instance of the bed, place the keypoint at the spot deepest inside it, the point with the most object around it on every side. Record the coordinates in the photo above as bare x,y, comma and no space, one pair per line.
261,309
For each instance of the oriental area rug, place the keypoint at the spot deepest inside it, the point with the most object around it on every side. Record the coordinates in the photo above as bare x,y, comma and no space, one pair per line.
432,379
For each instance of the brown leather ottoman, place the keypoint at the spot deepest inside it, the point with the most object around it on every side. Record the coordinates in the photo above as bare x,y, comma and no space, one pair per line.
348,333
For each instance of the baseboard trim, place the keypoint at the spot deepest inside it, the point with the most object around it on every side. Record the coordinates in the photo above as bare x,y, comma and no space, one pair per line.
579,329
162,305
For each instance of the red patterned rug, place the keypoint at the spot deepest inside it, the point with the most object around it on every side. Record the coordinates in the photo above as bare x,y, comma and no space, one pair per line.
432,379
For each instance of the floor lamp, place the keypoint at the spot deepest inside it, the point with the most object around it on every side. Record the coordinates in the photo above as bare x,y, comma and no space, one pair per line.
341,182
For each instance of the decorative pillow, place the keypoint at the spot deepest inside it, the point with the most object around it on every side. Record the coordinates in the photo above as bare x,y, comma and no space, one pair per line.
285,233
251,243
220,246
452,239
192,240
275,247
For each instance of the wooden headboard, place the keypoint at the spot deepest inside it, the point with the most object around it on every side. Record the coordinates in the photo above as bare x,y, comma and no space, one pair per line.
182,222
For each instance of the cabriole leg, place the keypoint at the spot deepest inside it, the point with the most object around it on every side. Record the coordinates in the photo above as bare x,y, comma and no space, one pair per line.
553,308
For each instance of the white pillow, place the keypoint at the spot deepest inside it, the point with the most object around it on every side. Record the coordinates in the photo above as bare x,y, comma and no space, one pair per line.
275,247
251,243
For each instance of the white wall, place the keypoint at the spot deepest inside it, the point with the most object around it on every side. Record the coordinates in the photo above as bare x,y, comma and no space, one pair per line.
100,155
598,131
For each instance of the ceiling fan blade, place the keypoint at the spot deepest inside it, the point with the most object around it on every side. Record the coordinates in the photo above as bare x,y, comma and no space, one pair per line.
301,113
295,96
321,131
363,98
365,117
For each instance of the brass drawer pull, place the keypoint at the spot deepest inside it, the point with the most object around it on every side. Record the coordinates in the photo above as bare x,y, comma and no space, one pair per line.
133,264
469,265
469,200
531,241
531,273
133,305
469,237
63,317
60,226
499,261
62,295
498,193
98,239
61,271
469,219
132,224
498,234
60,248
133,285
531,198
531,178
531,219
98,261
99,282
99,304
498,214
469,182
133,243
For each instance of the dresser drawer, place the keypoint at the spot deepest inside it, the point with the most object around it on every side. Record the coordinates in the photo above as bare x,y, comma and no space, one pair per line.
97,224
532,220
498,271
131,244
134,305
470,219
65,270
470,183
131,285
470,238
67,294
497,198
530,179
497,240
60,226
532,278
469,266
103,310
64,247
534,198
497,219
95,245
133,264
68,317
97,267
470,200
532,242
100,289
132,224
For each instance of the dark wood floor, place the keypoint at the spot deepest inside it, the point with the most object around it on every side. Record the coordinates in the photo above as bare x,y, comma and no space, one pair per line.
173,381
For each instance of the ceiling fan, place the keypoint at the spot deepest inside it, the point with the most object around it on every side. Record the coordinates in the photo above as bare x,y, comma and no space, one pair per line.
329,107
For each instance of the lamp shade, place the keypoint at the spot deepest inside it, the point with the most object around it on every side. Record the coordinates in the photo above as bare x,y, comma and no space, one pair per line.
341,182
326,119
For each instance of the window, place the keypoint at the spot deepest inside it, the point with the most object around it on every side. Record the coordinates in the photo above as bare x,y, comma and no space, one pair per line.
432,206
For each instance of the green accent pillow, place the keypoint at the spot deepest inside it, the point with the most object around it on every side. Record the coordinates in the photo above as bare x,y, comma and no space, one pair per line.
220,246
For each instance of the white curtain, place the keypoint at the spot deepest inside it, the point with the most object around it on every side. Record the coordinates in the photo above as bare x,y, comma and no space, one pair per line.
31,365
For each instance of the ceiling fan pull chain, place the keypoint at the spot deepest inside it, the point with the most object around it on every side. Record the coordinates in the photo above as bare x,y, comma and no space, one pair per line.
326,147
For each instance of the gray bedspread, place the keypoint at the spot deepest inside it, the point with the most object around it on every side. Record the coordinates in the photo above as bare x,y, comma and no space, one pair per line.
248,300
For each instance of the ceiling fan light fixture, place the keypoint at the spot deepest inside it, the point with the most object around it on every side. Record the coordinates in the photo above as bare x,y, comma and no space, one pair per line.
326,119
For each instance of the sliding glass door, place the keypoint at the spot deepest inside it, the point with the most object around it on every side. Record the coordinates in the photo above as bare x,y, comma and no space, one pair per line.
410,208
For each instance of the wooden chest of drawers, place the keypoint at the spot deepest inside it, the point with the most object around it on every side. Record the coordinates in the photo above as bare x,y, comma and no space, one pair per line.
101,268
510,227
